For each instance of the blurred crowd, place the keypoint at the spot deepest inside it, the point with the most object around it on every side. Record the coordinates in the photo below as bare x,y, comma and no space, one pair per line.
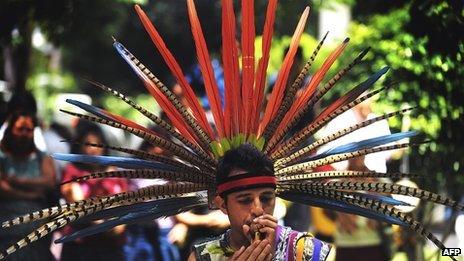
30,180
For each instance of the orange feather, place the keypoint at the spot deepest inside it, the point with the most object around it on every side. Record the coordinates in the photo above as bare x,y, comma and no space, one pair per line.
172,113
282,77
263,62
206,68
312,85
231,68
191,98
248,61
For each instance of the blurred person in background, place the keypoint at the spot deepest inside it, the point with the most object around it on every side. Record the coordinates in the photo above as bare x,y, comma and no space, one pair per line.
149,240
24,101
356,237
200,222
360,238
27,176
103,246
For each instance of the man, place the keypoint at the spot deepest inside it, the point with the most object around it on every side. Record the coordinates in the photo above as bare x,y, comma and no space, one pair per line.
246,194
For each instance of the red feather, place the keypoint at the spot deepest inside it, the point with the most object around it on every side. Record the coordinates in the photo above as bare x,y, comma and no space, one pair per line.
263,63
171,112
282,77
191,98
248,61
206,68
231,69
312,85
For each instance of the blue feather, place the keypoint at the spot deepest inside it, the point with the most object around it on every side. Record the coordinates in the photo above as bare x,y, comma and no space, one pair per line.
340,206
374,78
92,109
144,212
116,211
121,162
369,143
365,85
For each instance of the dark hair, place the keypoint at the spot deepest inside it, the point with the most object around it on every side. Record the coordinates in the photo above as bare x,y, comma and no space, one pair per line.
15,115
83,129
245,157
21,101
8,141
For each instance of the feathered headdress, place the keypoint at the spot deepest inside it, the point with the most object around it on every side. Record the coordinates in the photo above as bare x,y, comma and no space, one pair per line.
197,144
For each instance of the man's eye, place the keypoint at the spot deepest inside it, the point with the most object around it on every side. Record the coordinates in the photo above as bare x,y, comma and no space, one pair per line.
266,199
245,201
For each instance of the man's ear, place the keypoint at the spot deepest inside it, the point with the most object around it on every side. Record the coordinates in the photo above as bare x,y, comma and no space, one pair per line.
220,203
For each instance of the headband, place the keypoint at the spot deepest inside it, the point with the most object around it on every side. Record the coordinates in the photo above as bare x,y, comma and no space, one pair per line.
246,181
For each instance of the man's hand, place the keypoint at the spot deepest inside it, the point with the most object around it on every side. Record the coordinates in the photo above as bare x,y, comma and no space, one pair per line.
257,251
267,225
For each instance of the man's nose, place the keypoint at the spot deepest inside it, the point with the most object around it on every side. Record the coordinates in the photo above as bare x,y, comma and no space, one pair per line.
257,208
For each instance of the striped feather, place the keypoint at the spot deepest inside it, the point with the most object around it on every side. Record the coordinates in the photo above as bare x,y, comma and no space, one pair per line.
343,174
143,194
136,213
358,145
307,166
121,162
154,140
146,174
316,79
318,123
312,200
279,87
158,121
148,156
192,100
174,109
285,126
378,207
290,94
318,143
109,116
390,188
125,208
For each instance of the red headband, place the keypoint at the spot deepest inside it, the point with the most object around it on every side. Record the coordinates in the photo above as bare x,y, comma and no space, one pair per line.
247,182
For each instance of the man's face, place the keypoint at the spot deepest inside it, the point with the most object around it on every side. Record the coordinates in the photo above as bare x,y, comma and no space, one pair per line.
244,206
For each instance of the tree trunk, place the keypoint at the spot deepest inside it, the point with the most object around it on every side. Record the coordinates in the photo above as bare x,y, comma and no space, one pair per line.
17,56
